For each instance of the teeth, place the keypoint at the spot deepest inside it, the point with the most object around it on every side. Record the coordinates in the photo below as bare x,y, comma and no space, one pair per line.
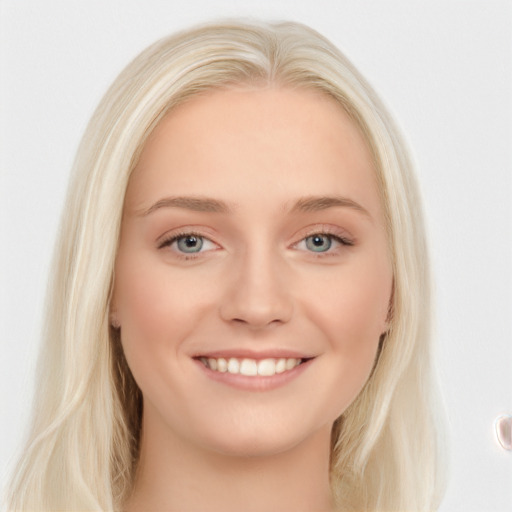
222,365
281,365
291,363
267,367
233,365
248,367
251,367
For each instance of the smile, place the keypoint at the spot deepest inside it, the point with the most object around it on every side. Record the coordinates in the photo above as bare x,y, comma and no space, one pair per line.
251,367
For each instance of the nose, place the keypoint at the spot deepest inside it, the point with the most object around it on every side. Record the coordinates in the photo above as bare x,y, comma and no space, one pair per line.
258,295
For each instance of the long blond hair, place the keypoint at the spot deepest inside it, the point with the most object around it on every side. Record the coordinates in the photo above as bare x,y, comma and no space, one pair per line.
83,447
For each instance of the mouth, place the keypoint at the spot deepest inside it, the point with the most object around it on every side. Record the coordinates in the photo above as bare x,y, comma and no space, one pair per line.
248,367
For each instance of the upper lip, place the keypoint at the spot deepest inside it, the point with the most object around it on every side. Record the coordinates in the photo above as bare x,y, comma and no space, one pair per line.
254,354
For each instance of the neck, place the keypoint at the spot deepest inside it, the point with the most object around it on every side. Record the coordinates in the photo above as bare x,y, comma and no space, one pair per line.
175,475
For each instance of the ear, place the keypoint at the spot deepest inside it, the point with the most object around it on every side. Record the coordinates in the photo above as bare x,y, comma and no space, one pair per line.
113,318
114,322
389,317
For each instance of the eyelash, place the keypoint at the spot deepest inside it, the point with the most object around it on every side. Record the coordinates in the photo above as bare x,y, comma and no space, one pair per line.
333,237
322,231
174,237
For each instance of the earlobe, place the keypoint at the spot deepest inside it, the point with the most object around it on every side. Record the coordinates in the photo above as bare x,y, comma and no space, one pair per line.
114,320
388,320
390,314
113,317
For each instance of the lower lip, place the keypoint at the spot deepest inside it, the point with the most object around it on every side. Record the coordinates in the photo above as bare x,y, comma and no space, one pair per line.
258,382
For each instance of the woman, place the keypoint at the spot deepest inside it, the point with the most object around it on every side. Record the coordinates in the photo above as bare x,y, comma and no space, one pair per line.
240,311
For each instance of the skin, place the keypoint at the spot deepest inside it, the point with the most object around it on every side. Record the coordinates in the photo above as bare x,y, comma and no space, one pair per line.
256,286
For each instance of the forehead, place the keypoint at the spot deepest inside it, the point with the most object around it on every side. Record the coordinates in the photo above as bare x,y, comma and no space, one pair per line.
244,141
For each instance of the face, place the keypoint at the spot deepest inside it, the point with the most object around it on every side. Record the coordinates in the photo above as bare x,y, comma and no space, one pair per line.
253,279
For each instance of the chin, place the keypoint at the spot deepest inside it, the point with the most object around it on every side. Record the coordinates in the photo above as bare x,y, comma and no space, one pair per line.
268,441
252,447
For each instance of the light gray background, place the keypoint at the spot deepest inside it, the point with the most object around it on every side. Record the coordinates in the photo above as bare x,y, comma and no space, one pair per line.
445,69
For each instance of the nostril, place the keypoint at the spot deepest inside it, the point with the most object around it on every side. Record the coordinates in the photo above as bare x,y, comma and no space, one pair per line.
256,301
254,323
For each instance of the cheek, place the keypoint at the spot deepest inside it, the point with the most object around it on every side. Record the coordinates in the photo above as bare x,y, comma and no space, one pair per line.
149,294
355,303
352,315
141,303
155,308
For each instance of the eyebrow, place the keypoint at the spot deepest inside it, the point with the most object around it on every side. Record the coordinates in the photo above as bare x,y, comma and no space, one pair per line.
197,204
319,203
205,204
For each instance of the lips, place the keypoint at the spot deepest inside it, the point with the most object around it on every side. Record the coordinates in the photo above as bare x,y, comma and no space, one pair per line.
253,371
251,367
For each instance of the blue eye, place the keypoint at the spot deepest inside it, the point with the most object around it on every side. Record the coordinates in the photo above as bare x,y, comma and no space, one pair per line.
323,243
318,242
189,243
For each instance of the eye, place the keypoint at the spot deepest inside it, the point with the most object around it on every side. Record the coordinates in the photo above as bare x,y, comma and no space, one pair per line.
323,243
188,243
318,242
